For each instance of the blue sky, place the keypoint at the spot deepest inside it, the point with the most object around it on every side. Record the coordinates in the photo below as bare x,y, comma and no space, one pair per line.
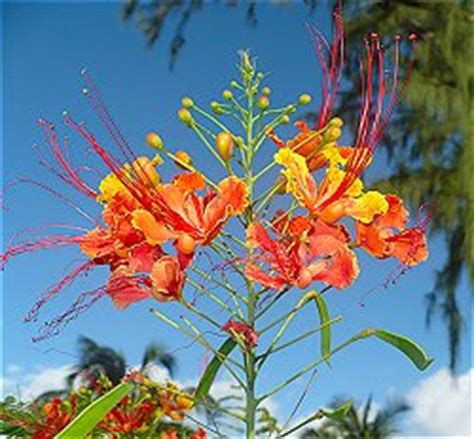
44,48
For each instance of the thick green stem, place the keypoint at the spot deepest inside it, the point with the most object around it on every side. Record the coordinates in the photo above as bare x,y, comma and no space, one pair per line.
249,355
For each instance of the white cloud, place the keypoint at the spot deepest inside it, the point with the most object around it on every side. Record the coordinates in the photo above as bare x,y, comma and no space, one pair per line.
28,384
442,405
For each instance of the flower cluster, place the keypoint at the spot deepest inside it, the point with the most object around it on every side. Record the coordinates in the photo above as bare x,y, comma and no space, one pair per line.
151,408
151,233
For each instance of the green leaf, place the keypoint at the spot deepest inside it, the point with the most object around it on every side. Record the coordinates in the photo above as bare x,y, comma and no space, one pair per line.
413,351
339,413
12,430
83,424
325,327
210,373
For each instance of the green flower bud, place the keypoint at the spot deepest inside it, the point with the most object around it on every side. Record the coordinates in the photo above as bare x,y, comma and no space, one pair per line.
266,91
185,116
332,134
304,99
187,102
336,122
263,102
227,95
216,107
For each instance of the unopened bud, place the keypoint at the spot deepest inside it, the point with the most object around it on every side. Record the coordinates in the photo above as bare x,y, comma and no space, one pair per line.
216,107
336,122
332,134
225,145
263,102
154,140
227,95
187,102
285,119
186,244
185,116
304,99
183,159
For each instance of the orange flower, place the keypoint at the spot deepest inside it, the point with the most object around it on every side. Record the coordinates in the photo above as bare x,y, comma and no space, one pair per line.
129,417
303,252
174,402
188,219
312,145
198,434
379,239
56,414
325,201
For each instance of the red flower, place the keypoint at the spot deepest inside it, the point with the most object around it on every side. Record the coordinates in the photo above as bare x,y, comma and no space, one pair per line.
303,251
129,417
54,416
380,239
198,434
242,331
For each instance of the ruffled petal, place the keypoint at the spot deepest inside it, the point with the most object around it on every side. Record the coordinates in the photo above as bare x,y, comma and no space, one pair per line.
167,279
410,246
339,268
125,289
366,207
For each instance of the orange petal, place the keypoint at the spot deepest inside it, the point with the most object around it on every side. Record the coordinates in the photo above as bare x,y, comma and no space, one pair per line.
234,193
156,233
124,289
167,279
410,246
396,215
189,182
97,243
373,239
340,269
257,275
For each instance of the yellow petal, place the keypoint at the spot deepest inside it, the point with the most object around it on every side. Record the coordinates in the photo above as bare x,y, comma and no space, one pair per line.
109,187
366,207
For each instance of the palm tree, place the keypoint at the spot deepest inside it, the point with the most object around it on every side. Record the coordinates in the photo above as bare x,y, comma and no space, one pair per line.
361,423
430,142
95,359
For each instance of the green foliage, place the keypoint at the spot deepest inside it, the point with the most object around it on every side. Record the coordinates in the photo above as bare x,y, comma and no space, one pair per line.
151,18
412,350
210,373
430,141
83,424
338,413
325,327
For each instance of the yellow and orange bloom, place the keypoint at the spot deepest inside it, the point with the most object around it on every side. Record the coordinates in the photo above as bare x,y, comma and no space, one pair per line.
351,202
388,236
175,403
128,417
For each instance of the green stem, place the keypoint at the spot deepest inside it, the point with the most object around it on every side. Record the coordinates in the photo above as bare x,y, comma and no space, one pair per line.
309,367
305,335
